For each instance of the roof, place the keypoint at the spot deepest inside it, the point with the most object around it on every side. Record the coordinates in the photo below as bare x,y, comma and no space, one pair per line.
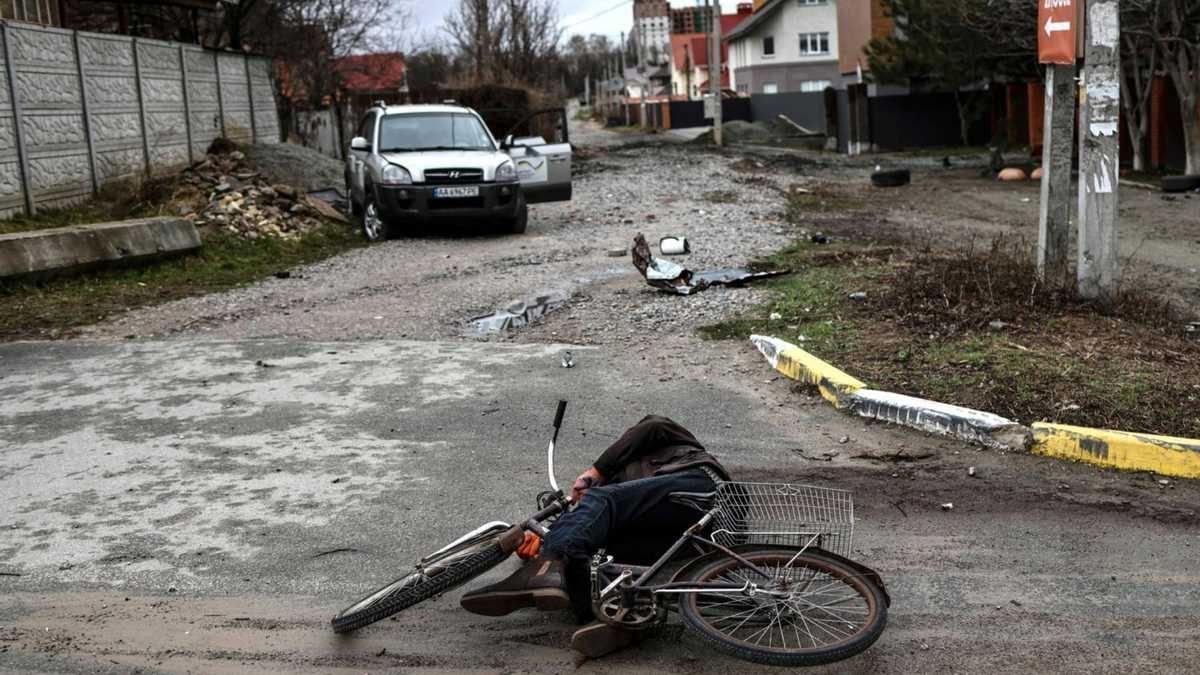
754,20
371,73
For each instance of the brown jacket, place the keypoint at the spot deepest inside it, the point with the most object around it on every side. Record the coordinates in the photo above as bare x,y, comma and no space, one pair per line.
654,446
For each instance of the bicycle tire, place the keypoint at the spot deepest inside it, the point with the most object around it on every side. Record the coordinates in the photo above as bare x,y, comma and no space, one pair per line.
415,587
858,642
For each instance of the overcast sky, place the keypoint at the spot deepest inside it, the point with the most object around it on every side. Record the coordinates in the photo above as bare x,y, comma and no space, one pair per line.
608,17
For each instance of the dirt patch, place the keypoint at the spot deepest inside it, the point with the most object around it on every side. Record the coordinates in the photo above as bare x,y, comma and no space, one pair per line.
973,326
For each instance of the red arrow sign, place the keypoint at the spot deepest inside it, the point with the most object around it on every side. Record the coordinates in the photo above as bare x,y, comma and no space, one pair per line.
1056,37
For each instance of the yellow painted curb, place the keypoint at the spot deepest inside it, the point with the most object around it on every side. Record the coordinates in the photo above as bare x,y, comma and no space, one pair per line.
793,362
1178,457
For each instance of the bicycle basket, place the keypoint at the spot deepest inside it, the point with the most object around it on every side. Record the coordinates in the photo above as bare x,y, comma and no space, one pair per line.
784,514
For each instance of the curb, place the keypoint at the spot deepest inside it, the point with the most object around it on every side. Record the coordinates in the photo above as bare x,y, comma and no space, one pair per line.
1165,455
796,364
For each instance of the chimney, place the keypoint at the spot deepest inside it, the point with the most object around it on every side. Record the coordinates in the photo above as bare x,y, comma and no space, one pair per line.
745,8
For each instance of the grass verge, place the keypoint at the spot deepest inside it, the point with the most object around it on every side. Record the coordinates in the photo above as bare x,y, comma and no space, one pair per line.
972,327
42,309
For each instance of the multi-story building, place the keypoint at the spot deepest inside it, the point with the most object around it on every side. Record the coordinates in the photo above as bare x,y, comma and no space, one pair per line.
804,45
652,31
690,52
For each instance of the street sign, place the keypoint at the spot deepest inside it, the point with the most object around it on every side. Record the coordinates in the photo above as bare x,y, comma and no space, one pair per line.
1056,31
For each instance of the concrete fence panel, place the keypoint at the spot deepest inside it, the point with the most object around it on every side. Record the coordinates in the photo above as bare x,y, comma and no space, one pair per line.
81,110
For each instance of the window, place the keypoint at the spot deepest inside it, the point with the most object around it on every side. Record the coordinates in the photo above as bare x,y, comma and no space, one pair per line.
743,89
814,43
815,85
367,128
811,2
770,88
434,131
769,46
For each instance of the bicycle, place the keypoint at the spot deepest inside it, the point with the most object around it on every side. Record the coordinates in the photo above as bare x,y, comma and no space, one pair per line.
768,579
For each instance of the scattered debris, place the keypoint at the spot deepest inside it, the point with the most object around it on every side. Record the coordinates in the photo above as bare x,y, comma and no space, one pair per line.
673,278
1164,482
674,246
518,314
283,275
971,471
844,440
616,252
775,316
1016,603
826,456
568,360
1012,174
948,506
381,652
894,178
333,551
241,201
899,508
264,364
807,132
860,296
997,325
819,238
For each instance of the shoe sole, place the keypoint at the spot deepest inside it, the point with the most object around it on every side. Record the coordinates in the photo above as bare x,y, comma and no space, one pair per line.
507,602
597,641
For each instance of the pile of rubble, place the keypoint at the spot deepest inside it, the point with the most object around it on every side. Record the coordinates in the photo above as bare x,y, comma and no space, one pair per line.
238,199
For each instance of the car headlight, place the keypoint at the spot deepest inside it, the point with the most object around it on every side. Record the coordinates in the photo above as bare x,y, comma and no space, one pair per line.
395,175
506,173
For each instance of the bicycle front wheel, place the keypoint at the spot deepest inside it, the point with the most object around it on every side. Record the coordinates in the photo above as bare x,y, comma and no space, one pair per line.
421,585
803,610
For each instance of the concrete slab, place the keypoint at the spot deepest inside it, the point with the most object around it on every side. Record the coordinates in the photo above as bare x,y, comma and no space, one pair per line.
70,249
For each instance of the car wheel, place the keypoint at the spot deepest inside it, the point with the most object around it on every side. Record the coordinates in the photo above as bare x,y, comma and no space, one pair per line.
895,178
1180,183
518,223
373,227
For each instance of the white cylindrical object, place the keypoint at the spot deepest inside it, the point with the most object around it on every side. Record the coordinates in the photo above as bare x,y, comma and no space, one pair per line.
674,246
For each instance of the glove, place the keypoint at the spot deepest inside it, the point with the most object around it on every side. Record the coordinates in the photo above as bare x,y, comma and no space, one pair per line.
528,550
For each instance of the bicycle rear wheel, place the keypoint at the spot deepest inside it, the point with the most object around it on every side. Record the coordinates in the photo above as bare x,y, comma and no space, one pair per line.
421,585
808,610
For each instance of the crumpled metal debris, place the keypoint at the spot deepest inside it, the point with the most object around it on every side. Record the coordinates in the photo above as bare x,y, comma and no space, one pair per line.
674,278
518,314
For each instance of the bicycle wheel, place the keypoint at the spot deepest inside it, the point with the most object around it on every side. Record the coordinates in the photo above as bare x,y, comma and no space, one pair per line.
420,585
808,610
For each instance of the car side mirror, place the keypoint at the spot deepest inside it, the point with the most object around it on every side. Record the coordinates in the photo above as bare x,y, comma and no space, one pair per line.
360,144
507,142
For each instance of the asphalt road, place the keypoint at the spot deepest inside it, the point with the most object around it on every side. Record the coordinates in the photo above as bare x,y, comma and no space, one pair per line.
173,506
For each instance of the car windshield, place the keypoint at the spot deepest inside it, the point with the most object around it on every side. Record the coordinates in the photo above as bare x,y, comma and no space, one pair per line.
433,131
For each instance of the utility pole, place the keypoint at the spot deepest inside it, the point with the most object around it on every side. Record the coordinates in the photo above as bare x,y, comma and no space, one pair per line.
587,90
714,72
1058,27
1099,152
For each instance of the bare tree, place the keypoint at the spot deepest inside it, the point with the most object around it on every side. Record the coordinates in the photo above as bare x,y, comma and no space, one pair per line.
1177,34
1139,66
516,39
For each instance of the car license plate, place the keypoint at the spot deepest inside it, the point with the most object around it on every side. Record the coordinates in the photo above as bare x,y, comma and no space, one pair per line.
456,192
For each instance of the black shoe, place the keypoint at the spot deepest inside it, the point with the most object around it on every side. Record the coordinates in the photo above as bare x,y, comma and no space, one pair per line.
601,639
539,583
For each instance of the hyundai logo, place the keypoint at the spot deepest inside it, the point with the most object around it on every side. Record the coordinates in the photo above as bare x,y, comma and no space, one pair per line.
454,175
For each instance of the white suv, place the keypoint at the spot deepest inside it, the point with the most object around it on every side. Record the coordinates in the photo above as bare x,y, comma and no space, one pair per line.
439,164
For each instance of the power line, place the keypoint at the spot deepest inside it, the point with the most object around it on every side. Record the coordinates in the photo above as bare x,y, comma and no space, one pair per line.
597,15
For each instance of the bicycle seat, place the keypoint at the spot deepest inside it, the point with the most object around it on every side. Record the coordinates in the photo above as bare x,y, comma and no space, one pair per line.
701,501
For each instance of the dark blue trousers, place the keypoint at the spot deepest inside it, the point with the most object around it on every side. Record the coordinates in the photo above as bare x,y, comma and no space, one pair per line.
634,521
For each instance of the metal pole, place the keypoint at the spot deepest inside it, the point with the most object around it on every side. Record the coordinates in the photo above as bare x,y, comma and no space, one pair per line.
22,155
714,73
1054,222
187,104
87,121
1099,152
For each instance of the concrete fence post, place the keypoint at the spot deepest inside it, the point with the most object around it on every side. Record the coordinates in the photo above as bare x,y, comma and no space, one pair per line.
250,94
137,81
187,104
22,155
87,120
220,96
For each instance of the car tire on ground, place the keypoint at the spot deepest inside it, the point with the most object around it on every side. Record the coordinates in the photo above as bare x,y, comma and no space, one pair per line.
520,222
894,178
374,227
1180,183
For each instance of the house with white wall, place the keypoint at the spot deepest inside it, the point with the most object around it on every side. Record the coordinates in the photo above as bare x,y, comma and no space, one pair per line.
786,46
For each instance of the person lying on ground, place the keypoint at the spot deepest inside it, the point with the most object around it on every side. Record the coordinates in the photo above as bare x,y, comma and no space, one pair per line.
621,499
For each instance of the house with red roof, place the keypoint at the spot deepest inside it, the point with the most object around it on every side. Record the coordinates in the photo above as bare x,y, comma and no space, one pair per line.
689,57
367,78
